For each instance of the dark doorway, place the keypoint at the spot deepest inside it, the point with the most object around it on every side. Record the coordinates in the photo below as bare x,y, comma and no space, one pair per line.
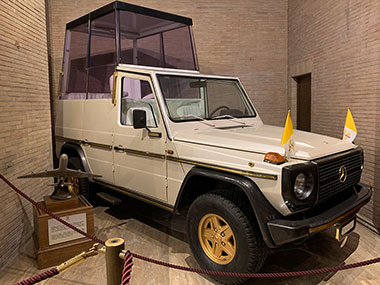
304,102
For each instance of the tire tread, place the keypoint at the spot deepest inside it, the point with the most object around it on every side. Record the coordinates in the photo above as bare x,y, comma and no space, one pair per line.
84,184
257,248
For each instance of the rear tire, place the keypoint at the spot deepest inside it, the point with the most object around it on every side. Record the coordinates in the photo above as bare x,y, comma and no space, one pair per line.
83,184
222,238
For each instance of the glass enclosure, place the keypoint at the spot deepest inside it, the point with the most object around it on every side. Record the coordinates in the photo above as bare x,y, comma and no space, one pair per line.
122,33
102,57
76,71
195,98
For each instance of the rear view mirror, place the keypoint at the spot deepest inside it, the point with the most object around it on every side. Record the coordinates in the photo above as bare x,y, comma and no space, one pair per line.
139,119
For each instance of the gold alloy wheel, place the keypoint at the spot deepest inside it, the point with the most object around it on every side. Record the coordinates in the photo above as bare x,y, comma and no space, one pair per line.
217,239
73,185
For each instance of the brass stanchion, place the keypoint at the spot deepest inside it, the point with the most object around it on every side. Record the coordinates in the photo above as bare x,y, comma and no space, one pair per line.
114,264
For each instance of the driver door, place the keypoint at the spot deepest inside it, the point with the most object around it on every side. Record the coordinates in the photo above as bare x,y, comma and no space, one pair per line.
139,158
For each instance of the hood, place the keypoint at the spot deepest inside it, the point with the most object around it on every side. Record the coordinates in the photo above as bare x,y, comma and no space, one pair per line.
263,139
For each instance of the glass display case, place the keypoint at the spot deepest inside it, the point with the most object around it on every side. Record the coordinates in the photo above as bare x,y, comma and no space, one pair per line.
121,33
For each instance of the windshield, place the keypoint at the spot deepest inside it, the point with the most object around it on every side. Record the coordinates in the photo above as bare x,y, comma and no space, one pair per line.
195,98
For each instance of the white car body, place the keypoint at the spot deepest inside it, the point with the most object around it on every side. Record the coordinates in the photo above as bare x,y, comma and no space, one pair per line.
96,125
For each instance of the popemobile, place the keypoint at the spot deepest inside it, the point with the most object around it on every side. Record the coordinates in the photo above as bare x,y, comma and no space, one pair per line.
135,109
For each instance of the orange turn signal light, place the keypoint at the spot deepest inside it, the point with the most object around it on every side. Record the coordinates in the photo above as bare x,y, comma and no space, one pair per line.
274,157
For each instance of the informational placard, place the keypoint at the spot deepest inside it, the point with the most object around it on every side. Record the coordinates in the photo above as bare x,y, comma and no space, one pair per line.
59,233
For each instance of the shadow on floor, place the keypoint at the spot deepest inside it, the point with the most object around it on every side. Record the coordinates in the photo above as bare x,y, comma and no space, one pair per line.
321,250
150,215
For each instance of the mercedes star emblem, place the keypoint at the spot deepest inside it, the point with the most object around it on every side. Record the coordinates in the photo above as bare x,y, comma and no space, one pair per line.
342,173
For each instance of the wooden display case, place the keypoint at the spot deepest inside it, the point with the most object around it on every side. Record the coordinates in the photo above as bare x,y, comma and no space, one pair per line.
54,242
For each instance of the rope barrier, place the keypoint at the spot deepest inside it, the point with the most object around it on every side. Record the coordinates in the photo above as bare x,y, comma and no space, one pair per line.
127,269
259,275
38,278
128,262
51,214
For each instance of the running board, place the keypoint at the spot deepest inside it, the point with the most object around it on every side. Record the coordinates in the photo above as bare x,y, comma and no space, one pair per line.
136,195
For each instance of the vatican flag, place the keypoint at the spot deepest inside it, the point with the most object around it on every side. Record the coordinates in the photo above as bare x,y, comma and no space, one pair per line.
350,132
287,137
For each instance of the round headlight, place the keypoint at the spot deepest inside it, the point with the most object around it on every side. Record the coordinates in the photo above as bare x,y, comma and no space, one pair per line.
303,186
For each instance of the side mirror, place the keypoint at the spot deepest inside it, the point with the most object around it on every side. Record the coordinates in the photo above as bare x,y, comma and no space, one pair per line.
139,119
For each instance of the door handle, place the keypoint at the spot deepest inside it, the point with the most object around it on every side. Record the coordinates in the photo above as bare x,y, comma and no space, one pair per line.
154,134
118,148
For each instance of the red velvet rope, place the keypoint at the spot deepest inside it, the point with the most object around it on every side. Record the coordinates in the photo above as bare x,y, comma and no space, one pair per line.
259,275
38,278
51,214
200,271
127,269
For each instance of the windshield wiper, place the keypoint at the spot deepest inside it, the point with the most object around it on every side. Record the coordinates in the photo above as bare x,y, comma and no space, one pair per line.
200,118
232,118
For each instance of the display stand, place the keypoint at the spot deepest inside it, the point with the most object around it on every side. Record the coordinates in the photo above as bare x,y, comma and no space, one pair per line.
54,242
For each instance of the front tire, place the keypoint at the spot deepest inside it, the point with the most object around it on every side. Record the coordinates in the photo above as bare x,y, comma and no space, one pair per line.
222,238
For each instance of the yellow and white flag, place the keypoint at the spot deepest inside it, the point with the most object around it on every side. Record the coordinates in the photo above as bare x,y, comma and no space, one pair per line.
350,132
287,137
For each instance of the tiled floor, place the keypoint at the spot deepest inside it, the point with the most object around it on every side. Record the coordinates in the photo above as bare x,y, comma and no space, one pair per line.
152,232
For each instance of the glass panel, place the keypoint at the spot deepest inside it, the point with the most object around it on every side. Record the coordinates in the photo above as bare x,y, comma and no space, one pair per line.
140,37
100,81
189,98
102,57
149,51
135,26
126,54
76,60
178,49
137,94
225,98
103,40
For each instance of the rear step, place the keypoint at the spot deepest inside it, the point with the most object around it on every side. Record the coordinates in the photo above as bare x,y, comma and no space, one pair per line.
109,199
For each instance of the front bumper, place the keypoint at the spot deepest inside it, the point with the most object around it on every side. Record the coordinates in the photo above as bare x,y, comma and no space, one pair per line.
284,231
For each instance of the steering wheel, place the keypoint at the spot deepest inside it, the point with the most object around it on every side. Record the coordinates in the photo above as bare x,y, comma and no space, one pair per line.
219,108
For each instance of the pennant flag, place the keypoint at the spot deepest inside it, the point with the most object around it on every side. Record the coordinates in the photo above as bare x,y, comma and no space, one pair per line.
287,137
350,132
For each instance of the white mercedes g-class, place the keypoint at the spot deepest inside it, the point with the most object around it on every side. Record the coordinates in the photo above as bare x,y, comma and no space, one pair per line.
135,109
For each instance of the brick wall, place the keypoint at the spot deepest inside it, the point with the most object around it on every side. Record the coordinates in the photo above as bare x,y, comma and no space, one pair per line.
339,43
25,121
245,38
264,42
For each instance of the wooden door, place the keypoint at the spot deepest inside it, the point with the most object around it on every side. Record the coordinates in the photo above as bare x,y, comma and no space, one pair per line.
304,102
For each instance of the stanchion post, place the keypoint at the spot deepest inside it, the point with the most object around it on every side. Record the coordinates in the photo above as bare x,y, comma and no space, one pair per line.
114,264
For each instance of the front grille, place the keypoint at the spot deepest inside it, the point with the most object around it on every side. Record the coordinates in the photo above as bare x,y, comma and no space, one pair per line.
328,168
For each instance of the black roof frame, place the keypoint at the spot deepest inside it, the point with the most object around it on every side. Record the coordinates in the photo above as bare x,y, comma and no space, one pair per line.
121,6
